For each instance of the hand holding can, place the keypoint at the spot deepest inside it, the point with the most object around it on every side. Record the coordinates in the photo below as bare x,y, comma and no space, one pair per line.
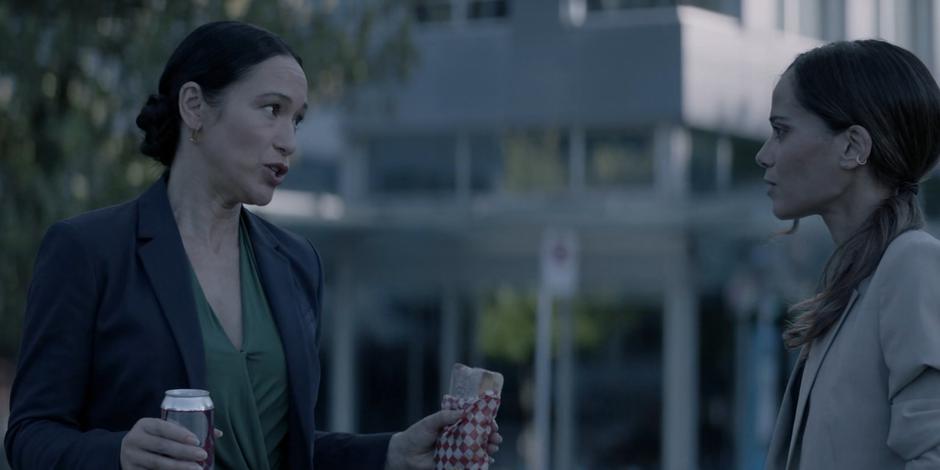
155,443
193,410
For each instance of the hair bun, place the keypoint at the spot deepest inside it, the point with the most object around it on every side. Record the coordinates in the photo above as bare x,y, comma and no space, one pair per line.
161,131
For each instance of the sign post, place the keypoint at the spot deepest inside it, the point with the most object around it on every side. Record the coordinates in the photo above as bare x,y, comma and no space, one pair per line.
559,276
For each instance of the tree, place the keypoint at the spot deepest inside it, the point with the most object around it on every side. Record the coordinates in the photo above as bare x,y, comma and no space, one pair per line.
73,76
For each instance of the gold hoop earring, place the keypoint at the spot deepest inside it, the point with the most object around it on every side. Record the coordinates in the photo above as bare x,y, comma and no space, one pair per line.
194,136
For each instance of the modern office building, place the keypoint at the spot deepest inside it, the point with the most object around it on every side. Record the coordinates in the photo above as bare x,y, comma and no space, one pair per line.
632,125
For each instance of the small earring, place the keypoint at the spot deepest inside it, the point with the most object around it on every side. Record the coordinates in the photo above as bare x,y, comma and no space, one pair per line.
194,136
858,159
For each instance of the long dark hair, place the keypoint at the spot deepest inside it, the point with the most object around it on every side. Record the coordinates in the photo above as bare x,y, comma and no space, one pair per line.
891,93
215,55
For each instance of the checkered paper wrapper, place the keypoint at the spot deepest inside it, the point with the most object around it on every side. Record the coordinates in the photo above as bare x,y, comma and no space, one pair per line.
462,445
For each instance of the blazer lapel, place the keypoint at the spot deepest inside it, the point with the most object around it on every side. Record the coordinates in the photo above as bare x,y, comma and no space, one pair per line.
782,435
814,360
283,297
161,252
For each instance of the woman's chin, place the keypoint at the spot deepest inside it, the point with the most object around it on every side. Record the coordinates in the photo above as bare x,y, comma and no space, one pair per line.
783,213
259,198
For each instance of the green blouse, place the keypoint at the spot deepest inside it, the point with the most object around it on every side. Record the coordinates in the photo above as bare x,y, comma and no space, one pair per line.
247,386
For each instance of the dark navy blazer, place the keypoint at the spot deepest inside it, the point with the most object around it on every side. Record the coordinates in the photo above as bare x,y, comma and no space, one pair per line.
111,324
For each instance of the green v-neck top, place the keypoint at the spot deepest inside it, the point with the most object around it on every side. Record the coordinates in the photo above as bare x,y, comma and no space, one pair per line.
247,386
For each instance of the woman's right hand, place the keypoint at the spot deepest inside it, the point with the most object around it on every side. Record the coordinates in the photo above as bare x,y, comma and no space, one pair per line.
155,444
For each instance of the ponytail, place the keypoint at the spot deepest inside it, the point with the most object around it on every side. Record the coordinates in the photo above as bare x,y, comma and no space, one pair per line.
852,262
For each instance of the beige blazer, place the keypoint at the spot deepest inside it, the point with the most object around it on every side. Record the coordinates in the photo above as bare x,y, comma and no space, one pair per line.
866,395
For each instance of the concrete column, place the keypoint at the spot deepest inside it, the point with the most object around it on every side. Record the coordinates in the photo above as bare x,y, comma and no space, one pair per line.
342,414
672,150
463,168
577,160
680,359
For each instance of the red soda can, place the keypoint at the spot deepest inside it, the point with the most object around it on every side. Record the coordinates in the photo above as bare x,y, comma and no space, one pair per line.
192,409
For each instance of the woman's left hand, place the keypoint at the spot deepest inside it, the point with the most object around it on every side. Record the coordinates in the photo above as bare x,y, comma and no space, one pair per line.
413,448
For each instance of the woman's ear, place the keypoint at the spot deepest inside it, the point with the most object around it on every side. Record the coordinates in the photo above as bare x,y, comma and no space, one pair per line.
192,105
856,147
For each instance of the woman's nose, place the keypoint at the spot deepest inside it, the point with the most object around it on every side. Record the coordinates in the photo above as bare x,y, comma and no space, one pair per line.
763,158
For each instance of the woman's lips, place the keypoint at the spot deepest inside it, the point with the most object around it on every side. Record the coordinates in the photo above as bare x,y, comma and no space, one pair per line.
278,171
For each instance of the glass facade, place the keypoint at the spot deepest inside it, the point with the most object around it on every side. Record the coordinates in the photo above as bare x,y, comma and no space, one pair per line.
411,165
619,160
605,5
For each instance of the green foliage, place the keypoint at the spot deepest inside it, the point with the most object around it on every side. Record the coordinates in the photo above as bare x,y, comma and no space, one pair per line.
73,76
535,161
507,325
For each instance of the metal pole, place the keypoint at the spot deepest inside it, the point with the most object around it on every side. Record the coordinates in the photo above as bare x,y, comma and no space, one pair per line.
543,381
564,399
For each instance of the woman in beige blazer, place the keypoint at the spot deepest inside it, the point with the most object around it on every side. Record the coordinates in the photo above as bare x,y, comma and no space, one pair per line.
856,126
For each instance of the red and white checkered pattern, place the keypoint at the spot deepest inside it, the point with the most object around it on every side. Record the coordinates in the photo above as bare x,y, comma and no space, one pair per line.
462,445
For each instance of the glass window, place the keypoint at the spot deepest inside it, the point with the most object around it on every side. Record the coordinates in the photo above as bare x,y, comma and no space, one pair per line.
519,162
431,11
478,9
744,168
398,365
313,174
617,353
716,384
412,164
601,5
704,163
617,160
535,161
487,171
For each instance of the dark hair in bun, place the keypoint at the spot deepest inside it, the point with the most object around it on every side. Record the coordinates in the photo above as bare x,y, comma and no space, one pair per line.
214,55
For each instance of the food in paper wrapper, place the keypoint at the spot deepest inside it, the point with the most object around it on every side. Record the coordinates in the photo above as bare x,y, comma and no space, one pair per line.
462,446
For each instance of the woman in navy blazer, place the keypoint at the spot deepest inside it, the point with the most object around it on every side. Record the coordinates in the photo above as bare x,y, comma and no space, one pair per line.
111,319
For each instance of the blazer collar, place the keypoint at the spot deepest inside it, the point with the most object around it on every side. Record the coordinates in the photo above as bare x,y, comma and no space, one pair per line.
817,353
161,252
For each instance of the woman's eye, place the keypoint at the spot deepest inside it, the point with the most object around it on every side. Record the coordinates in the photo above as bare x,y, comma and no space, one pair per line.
779,132
274,109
